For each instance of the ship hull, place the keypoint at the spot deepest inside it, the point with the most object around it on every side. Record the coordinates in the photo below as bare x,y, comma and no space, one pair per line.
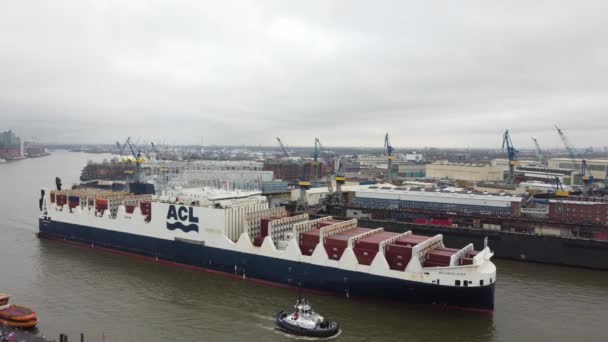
278,271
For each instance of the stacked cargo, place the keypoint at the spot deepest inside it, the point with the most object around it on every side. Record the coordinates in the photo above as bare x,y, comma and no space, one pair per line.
366,248
146,209
439,257
83,198
141,201
336,244
468,258
264,222
309,240
398,256
109,201
399,253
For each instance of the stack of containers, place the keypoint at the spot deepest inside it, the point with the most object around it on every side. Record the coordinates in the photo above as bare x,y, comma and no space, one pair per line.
439,257
309,240
367,248
73,201
264,221
468,259
61,200
337,243
399,253
146,209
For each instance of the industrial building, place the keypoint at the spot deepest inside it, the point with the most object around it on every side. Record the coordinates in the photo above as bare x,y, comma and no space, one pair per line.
597,167
294,170
411,170
386,197
578,211
465,172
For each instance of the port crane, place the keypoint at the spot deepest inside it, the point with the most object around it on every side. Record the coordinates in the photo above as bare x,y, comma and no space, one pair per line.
302,203
283,148
390,156
542,157
586,175
136,153
511,154
540,154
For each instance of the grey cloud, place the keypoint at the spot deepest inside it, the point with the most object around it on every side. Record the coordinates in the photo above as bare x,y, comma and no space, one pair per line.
432,73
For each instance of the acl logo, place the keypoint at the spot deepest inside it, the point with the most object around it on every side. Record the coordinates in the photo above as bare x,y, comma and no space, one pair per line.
179,215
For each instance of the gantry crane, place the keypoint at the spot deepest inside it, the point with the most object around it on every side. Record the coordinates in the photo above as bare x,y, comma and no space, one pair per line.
586,175
511,154
390,156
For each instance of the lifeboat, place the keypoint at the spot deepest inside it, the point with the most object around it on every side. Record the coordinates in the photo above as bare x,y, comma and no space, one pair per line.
15,315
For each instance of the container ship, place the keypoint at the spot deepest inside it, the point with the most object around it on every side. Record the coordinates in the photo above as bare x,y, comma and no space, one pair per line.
237,233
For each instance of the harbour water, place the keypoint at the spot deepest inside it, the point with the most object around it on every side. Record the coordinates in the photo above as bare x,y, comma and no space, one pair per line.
75,289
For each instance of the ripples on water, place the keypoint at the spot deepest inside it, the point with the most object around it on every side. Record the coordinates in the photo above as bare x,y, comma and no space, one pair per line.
76,289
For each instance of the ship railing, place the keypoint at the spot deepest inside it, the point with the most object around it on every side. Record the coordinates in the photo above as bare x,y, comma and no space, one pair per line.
352,240
253,220
461,254
306,226
422,248
278,228
383,244
337,228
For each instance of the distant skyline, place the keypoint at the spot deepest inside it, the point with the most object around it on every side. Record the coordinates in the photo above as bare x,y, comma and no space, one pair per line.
431,73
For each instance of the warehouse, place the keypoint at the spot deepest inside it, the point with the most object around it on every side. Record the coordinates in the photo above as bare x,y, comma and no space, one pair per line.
385,197
465,172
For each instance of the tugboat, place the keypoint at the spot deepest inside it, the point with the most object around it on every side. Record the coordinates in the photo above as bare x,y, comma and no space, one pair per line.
16,316
303,321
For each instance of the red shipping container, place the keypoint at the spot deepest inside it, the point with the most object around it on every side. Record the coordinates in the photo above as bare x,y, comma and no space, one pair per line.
258,241
466,261
472,254
264,226
398,256
441,223
365,256
328,223
101,205
145,207
373,241
61,199
307,248
411,240
73,201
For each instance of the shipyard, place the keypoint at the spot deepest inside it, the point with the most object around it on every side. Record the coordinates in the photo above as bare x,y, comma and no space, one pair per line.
323,170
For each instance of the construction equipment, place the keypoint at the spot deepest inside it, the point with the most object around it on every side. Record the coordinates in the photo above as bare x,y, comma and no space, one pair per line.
283,148
390,156
542,157
318,148
511,154
586,176
136,156
559,189
302,203
340,180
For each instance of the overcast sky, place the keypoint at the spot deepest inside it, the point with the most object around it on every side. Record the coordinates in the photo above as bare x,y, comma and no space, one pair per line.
432,73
